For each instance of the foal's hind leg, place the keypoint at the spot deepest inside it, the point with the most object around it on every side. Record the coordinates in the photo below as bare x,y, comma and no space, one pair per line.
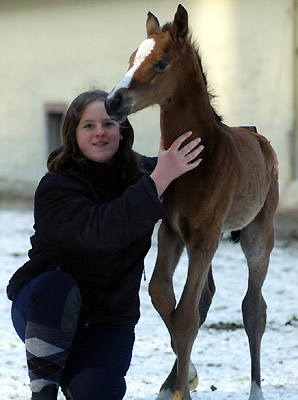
257,241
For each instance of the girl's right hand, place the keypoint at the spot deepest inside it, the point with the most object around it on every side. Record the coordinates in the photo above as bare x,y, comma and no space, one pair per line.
174,161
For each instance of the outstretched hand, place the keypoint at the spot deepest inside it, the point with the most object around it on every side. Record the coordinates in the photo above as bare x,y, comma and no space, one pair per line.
175,161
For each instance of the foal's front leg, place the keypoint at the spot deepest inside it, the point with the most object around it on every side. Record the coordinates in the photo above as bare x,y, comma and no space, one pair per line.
206,296
169,386
186,318
170,247
161,290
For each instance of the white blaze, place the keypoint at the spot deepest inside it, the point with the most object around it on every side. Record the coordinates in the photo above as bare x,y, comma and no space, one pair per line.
143,51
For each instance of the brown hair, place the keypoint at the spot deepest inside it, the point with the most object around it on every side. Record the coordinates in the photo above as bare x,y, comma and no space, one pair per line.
69,158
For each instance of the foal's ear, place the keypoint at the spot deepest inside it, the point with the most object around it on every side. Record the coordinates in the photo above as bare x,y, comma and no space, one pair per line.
180,25
152,24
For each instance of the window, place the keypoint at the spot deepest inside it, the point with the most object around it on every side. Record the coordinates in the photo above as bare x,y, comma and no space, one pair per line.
54,118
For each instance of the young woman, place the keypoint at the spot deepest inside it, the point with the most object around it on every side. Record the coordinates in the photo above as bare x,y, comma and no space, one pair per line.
76,301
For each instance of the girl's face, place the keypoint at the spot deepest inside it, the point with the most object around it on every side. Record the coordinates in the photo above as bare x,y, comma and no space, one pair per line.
98,137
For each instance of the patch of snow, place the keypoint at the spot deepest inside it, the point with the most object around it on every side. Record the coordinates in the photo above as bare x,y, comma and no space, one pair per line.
221,356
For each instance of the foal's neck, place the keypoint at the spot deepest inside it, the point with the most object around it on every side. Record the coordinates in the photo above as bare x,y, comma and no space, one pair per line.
189,108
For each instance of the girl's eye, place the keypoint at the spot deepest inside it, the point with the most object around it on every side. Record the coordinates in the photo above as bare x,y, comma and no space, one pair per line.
88,126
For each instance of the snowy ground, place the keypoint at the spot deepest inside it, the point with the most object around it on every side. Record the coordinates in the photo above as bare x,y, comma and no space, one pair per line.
221,355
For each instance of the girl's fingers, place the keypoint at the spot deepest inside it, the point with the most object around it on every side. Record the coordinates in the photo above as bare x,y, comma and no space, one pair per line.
180,139
190,146
193,165
194,153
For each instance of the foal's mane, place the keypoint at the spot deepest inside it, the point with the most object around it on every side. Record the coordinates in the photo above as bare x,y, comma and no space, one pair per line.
195,47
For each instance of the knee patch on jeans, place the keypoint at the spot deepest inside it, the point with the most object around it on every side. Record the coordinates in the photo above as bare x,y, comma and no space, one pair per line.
71,309
53,297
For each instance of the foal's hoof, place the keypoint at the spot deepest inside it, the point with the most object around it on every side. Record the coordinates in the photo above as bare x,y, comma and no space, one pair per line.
193,379
193,383
178,395
255,392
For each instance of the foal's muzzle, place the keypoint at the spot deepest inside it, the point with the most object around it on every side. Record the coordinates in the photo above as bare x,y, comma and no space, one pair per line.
118,105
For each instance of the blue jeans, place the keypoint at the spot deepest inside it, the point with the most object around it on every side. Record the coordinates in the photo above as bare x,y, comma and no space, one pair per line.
87,362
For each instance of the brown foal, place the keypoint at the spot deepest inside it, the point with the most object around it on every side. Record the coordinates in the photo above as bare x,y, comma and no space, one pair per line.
234,188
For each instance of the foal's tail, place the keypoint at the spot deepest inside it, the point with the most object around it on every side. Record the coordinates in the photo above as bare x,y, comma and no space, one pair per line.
235,236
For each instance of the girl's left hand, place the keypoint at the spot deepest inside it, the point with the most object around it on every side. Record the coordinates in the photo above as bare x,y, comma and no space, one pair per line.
175,161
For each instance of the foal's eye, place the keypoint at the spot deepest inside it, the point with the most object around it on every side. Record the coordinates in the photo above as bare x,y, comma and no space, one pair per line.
161,66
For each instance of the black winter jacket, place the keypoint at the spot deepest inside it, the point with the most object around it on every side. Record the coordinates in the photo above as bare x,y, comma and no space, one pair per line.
99,230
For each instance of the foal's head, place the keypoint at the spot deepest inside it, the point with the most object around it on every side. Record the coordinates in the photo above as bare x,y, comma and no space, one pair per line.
153,68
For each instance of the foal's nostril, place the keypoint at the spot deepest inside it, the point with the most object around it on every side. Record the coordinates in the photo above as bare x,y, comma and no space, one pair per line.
117,100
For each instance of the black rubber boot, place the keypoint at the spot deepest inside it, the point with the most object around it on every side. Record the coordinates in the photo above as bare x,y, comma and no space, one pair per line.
48,392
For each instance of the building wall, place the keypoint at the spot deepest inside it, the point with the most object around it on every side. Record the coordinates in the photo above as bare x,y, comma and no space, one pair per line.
249,48
52,50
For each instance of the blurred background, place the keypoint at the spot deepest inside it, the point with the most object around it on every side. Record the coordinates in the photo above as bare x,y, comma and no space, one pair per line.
52,50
